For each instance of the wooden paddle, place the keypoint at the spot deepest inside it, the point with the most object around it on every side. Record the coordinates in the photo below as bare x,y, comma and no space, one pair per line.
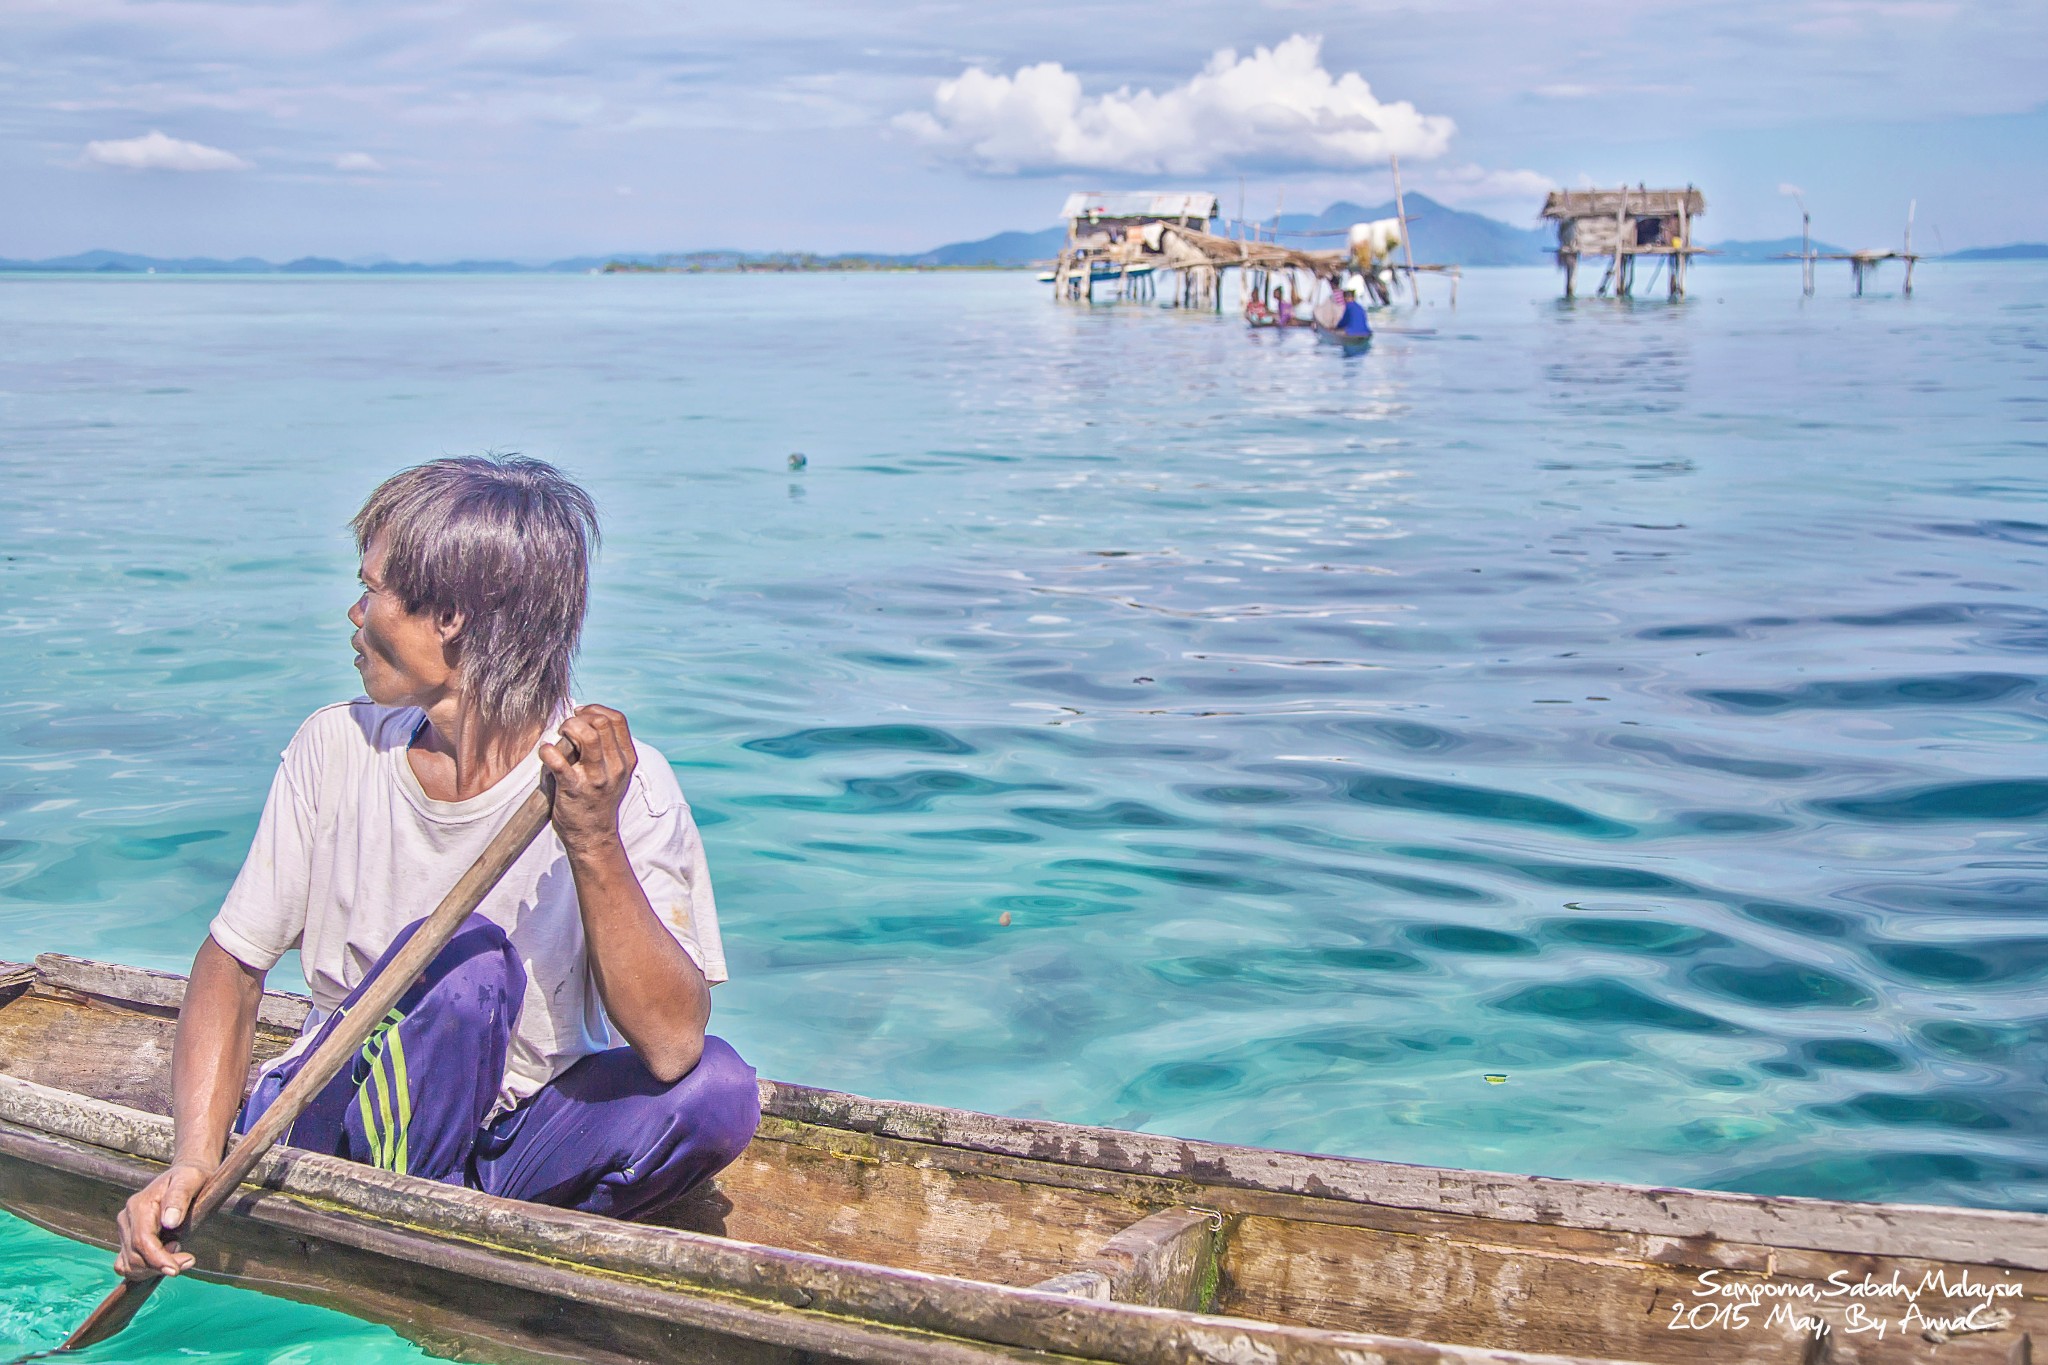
350,1031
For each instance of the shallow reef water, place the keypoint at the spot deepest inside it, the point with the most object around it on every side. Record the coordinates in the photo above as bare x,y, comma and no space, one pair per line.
1642,703
47,1284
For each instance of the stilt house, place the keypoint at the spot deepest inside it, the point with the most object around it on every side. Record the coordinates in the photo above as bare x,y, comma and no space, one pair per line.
1117,238
1119,244
1625,225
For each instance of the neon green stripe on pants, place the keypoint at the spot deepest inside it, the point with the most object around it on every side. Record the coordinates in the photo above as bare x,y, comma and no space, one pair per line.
387,1140
397,1053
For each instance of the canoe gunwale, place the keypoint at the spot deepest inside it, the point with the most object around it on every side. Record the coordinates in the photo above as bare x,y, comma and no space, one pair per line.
1924,1231
853,1309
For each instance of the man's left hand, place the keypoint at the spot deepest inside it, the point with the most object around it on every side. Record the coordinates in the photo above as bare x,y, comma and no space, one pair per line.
588,791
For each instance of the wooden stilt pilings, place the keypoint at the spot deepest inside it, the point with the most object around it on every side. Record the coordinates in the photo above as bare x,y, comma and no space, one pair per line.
1861,263
1678,261
1630,226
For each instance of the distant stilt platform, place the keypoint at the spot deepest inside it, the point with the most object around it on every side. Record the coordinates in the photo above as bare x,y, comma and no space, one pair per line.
1861,263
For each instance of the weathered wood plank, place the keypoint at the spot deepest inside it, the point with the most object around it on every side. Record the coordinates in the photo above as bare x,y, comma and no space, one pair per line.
704,1277
1081,1284
1978,1236
1167,1260
453,1300
888,1206
1467,1291
165,990
95,1048
1650,1259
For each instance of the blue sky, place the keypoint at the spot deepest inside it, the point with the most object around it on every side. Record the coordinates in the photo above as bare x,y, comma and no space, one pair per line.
528,129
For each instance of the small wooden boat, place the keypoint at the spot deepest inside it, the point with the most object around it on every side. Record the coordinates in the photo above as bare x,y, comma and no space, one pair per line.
1350,341
1104,272
865,1230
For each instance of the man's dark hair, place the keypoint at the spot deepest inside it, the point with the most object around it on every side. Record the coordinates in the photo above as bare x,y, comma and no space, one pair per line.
506,542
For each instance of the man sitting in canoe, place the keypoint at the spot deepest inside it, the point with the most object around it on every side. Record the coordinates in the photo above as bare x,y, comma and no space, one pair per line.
1354,323
502,1067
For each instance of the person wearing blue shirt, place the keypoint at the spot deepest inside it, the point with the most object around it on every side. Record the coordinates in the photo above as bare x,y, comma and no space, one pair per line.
1353,323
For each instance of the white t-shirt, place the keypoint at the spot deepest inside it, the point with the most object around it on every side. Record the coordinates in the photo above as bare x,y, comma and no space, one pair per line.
351,849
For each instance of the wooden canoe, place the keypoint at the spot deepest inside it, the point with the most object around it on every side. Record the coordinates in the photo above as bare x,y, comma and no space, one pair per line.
868,1230
1350,341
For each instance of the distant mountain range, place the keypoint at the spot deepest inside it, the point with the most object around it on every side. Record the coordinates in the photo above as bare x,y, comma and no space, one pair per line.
1438,233
1766,249
1442,235
2018,251
1005,249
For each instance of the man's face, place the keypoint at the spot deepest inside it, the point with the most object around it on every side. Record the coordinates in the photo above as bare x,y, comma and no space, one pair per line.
405,657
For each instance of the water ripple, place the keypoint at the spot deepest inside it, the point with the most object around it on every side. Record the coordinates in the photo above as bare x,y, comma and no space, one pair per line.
1332,736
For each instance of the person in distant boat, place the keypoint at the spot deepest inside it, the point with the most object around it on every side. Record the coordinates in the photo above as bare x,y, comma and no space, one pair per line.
1354,322
1283,312
1329,311
1256,312
555,1050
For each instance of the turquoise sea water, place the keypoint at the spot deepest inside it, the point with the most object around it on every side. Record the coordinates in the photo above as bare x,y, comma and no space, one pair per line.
1642,703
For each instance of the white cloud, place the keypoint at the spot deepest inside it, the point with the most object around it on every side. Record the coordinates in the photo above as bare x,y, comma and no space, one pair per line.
359,163
1276,108
155,152
1478,185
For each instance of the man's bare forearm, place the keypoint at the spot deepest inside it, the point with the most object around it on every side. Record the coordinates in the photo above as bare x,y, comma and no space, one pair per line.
210,1060
650,987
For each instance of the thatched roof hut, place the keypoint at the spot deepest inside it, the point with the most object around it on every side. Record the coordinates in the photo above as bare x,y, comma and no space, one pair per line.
1623,224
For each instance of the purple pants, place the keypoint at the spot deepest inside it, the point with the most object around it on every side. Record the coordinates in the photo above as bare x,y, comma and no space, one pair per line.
606,1136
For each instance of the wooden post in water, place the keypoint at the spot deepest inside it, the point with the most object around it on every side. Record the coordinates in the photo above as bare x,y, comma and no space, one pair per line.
1401,213
1623,286
1910,257
1683,245
1805,250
